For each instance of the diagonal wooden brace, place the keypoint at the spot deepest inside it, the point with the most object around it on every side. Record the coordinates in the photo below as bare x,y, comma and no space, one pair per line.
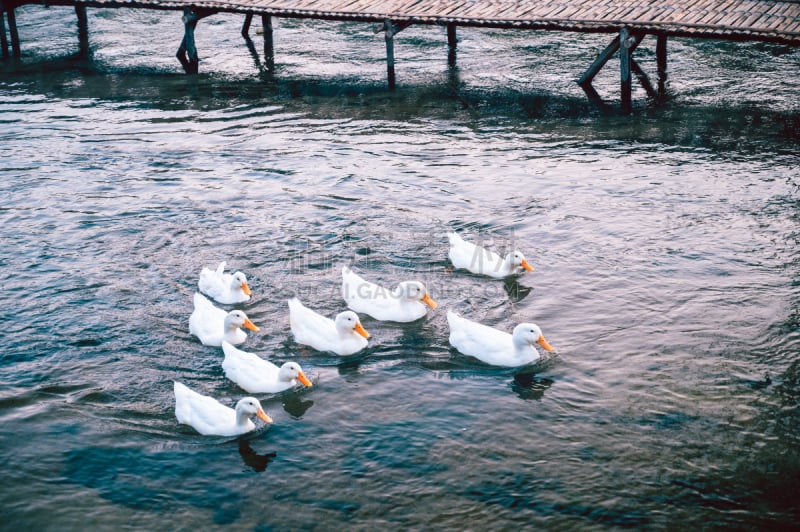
625,43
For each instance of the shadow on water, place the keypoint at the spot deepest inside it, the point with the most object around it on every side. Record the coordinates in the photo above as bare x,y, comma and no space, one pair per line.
152,481
521,492
767,478
746,128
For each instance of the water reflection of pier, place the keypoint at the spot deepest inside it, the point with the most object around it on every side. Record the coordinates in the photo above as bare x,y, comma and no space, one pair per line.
628,20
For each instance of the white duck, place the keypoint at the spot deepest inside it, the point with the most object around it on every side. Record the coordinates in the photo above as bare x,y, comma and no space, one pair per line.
256,375
212,325
223,287
209,417
496,347
482,261
405,303
345,336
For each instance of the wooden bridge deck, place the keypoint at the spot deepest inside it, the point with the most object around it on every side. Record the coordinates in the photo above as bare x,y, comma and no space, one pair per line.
763,20
751,20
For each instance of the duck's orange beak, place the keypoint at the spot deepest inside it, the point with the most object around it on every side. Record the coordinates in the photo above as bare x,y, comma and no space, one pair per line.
428,301
250,325
302,378
246,289
360,330
542,342
263,416
526,265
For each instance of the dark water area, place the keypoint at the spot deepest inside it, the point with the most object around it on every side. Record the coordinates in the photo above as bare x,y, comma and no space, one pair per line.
665,248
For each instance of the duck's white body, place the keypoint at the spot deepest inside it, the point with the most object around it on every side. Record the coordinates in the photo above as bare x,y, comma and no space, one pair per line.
224,287
479,260
403,304
212,325
493,346
211,418
345,336
256,375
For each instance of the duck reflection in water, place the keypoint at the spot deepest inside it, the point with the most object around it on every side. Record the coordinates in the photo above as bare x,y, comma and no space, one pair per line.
516,292
296,407
258,462
351,365
528,386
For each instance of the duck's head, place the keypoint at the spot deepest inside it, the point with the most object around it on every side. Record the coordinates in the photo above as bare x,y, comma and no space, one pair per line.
249,407
347,322
292,370
528,334
517,260
239,280
236,319
415,291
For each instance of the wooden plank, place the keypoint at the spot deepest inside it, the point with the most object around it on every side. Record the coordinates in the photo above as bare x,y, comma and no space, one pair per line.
557,12
531,12
657,13
636,13
750,22
567,13
414,8
456,7
720,14
586,12
625,13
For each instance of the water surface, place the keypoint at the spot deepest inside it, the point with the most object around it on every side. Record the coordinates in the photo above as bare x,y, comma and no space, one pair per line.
664,244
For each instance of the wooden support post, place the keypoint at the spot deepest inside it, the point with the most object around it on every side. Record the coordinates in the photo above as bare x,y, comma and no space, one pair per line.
389,36
451,44
389,30
635,40
269,50
187,52
83,30
246,26
12,29
625,44
3,37
661,61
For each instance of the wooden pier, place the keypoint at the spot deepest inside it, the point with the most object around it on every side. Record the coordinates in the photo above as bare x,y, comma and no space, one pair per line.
629,21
